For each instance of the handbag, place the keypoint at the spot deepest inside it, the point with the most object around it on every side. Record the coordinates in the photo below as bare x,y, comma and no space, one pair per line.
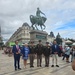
73,65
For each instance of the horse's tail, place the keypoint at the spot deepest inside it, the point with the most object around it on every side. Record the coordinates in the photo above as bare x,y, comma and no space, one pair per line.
31,16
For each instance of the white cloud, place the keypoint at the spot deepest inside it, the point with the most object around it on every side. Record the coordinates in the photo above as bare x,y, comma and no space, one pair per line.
13,13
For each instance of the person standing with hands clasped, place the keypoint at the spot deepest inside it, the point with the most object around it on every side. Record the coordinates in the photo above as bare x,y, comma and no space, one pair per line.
47,52
25,53
32,54
39,52
55,50
16,52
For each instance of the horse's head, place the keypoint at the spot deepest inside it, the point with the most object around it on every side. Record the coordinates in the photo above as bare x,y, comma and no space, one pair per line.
44,19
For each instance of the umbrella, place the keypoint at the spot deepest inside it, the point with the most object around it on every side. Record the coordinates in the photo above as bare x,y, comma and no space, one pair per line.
68,41
73,44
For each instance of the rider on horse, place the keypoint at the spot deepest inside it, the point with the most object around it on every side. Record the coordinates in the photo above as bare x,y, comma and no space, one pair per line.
38,16
38,20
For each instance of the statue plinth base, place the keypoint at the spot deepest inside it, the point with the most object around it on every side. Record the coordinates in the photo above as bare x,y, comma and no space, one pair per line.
36,35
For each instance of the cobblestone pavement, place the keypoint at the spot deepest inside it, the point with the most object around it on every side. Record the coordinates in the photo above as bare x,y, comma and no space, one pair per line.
7,68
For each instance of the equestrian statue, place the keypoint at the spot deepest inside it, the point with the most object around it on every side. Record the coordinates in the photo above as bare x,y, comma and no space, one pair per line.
38,20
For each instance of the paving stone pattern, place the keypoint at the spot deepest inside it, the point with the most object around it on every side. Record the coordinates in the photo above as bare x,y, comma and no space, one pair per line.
7,67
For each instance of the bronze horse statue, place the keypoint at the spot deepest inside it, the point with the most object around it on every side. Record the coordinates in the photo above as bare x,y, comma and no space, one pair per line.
38,22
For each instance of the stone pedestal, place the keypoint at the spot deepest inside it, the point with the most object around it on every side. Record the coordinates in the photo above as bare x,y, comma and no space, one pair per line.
36,35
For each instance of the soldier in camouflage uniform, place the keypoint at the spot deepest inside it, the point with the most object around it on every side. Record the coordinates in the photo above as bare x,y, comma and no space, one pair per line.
32,54
47,52
39,52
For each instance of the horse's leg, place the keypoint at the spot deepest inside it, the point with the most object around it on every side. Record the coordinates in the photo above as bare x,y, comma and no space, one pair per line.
32,27
44,26
41,27
36,27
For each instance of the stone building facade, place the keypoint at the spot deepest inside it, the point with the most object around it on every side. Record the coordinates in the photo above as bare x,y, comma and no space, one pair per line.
50,37
21,34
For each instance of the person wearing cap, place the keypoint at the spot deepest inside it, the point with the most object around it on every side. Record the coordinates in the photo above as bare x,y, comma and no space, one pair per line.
32,54
55,50
25,53
47,52
39,52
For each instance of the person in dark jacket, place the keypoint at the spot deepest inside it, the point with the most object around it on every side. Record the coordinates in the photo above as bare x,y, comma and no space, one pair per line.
47,52
32,53
25,53
60,51
16,52
73,52
39,52
55,51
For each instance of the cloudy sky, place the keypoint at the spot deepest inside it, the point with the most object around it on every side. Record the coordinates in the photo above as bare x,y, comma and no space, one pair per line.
60,16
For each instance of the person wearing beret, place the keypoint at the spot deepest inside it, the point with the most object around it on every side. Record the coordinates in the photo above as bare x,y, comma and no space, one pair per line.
32,54
39,52
47,52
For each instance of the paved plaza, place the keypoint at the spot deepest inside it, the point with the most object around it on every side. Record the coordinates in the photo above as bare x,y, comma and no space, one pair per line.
7,68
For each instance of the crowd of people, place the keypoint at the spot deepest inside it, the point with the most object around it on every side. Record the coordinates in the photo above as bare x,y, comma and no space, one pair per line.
8,51
68,50
29,51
